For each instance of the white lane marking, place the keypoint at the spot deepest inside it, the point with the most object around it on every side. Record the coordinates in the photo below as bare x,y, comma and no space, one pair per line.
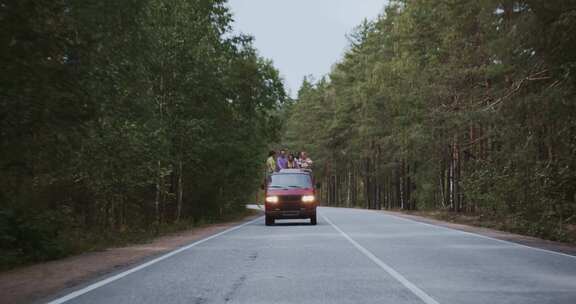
384,212
480,236
109,280
395,274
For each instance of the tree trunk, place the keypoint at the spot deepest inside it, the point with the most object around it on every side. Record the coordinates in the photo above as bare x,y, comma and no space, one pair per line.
180,191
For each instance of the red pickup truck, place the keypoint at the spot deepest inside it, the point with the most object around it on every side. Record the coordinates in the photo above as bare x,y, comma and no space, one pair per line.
290,194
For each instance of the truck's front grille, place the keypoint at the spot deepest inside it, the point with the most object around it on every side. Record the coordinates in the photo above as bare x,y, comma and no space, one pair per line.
290,198
290,202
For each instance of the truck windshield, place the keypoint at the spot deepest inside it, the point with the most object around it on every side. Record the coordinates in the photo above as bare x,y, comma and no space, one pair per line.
290,181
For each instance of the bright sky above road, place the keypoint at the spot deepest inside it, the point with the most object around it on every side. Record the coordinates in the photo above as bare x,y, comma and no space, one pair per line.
302,37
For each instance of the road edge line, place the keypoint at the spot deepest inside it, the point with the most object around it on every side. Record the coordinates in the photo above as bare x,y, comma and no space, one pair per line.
391,271
116,277
480,235
387,213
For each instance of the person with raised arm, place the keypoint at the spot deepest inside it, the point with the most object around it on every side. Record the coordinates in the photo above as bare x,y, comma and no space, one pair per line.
305,161
282,160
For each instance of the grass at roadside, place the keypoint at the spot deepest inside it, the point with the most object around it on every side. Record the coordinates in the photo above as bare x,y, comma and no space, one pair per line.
567,235
186,225
73,242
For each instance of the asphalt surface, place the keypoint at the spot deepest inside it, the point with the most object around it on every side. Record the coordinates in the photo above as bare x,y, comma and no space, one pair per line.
351,256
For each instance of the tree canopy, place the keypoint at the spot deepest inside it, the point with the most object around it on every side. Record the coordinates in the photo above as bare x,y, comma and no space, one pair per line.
121,116
467,106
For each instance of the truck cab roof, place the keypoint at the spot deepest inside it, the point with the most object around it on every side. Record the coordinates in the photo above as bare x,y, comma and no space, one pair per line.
293,171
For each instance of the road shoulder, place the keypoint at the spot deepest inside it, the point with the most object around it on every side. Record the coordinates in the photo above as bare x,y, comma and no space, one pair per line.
564,248
32,283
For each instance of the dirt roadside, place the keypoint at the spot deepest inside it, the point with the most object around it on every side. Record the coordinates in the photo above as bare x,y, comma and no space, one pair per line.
565,248
36,282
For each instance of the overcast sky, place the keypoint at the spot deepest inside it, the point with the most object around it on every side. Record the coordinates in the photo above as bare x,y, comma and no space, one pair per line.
302,37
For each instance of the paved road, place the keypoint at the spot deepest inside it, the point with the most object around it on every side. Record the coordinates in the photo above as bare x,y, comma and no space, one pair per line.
351,256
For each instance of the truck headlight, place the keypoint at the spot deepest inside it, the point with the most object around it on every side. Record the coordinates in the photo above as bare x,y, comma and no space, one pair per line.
272,199
308,198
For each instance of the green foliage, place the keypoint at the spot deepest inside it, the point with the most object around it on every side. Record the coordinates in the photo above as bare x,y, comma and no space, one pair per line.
122,117
460,105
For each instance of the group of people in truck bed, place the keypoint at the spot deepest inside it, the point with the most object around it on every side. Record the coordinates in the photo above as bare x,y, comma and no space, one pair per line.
284,160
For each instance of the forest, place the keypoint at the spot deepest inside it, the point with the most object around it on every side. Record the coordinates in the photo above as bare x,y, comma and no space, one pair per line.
119,118
462,106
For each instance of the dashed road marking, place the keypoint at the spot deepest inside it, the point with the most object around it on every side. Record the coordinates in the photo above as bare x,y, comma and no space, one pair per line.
427,299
